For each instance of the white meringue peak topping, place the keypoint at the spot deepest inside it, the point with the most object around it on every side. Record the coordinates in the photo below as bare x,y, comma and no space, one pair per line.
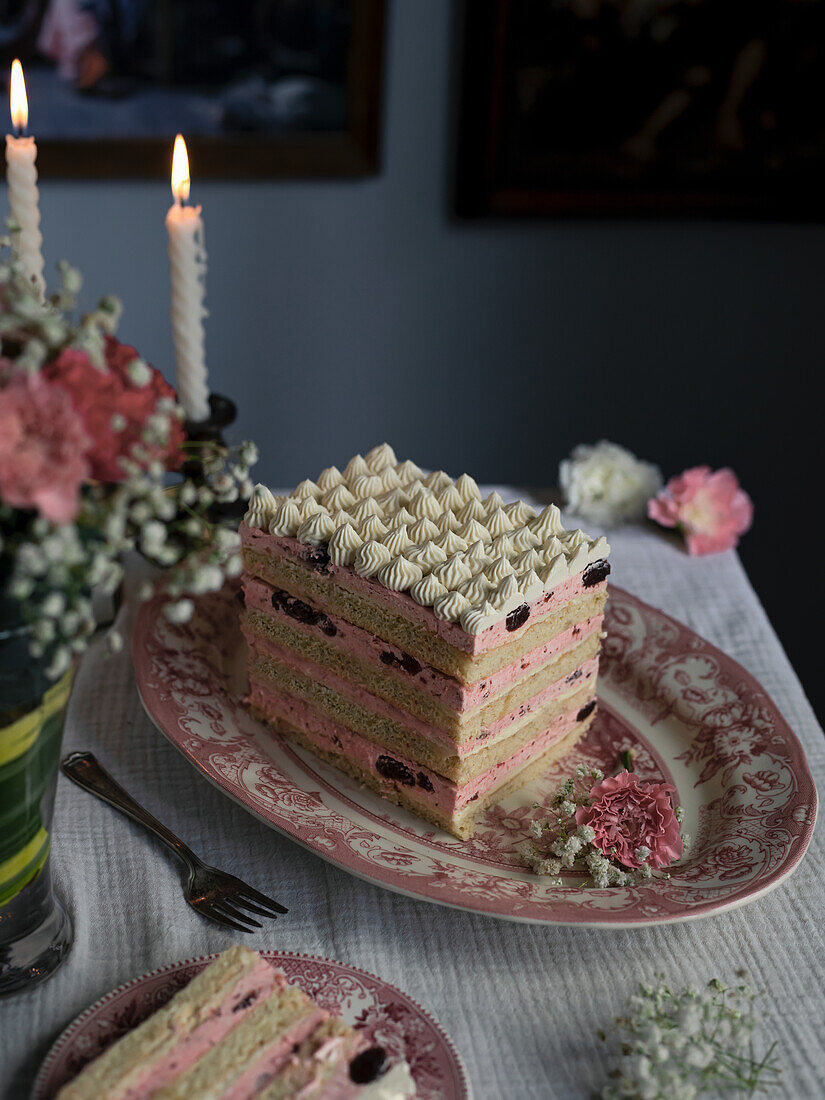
477,554
380,457
452,572
547,522
306,488
531,585
493,502
344,545
371,557
329,478
308,507
422,530
408,471
476,588
337,497
373,528
519,512
316,530
527,559
424,503
498,522
367,485
508,596
437,480
477,619
356,467
473,531
476,559
427,555
403,516
261,508
502,546
287,519
427,590
390,479
450,499
450,542
341,517
467,488
448,521
450,606
498,570
398,539
525,539
366,506
399,574
473,509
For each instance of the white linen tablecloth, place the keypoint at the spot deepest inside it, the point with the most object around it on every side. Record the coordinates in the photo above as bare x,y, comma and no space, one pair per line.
522,1003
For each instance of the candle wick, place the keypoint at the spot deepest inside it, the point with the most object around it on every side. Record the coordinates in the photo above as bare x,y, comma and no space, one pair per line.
18,131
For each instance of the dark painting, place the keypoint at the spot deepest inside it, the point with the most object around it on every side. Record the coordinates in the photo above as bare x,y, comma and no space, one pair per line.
643,106
257,87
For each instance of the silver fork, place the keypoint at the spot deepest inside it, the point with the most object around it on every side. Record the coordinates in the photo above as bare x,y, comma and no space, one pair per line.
212,893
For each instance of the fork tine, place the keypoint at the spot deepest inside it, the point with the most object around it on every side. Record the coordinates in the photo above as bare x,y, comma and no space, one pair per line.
211,913
245,903
225,906
255,895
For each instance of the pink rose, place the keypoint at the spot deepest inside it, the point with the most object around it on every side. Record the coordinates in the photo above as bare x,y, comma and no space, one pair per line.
627,814
709,506
99,395
42,447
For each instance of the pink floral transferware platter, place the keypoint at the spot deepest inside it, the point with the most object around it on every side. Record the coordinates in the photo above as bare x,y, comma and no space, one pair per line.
388,1017
691,715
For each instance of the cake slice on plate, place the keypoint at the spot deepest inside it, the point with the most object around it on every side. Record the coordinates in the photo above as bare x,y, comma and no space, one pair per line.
238,1031
440,648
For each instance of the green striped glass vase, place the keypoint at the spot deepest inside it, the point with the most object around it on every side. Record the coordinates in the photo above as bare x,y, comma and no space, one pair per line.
35,931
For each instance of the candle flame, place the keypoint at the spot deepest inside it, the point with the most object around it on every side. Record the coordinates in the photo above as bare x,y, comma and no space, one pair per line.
17,98
180,171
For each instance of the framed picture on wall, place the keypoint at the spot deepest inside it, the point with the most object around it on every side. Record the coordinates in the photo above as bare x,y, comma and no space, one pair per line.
639,107
259,88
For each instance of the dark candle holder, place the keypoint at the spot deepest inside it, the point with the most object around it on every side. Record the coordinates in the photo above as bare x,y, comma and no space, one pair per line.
222,413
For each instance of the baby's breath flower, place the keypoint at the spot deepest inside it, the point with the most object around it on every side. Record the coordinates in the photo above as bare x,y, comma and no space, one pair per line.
683,1044
139,373
179,612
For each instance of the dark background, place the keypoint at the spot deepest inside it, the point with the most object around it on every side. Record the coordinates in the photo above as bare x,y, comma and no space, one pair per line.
344,313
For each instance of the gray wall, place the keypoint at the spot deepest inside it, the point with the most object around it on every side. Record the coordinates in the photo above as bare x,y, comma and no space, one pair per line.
345,313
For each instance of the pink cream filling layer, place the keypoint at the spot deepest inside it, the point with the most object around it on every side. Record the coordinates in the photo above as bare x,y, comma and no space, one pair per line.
452,633
370,649
434,790
256,984
263,1069
572,682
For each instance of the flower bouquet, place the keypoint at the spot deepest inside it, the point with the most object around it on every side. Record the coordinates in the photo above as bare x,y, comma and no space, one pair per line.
89,433
620,829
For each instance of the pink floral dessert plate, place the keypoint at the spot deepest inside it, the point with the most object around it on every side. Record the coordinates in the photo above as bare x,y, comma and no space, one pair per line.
691,715
388,1017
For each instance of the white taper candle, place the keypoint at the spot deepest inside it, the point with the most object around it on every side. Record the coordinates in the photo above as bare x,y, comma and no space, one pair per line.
21,174
187,258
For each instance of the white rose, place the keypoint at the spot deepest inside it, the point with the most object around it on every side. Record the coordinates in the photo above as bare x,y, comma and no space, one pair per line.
607,484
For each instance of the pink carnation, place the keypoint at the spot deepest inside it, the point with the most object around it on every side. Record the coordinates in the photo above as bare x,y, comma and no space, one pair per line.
709,506
627,814
99,395
42,447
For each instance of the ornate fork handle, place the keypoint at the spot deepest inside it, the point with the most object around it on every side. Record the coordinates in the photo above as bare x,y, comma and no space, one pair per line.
84,769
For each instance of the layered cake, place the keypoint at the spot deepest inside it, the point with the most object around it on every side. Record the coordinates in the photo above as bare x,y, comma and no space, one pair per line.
439,647
239,1031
